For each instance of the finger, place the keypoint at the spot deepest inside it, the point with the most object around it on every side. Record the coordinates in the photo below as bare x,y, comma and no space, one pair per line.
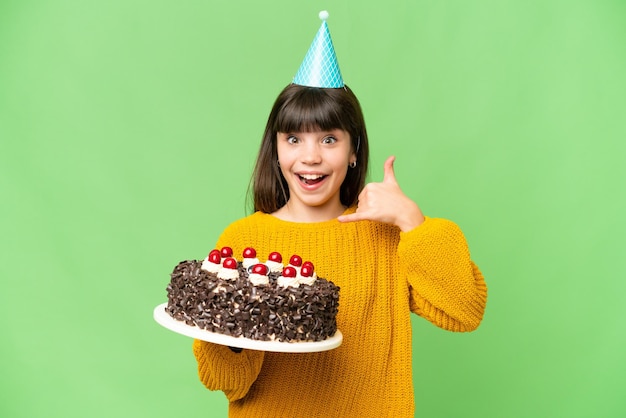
353,217
389,173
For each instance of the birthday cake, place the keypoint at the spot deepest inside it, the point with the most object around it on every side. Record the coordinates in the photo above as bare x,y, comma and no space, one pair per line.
261,301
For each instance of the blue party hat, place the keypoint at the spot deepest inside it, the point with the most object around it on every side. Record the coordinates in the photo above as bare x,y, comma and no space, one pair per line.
320,68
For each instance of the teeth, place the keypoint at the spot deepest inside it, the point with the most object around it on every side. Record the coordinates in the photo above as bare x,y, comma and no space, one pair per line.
311,176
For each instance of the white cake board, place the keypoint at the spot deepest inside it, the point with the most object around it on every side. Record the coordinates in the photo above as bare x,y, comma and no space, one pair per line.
164,319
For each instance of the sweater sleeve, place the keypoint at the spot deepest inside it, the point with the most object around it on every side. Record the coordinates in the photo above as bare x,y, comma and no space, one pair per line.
445,286
219,368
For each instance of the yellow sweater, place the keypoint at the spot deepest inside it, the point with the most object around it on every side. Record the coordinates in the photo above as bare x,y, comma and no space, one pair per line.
384,274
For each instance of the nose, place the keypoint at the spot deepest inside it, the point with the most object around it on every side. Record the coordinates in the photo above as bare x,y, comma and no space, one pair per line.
311,153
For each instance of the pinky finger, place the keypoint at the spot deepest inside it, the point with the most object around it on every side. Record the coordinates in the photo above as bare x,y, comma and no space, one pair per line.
353,217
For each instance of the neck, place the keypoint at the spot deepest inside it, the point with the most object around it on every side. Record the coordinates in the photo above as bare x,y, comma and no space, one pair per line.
309,214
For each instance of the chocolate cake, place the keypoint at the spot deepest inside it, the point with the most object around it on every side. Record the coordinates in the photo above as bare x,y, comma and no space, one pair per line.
260,301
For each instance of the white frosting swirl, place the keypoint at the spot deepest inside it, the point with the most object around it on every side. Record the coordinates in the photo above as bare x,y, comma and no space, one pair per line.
249,262
258,279
210,267
228,274
307,280
283,281
274,266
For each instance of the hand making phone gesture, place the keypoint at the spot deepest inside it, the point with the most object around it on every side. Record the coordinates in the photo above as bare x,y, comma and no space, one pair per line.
385,202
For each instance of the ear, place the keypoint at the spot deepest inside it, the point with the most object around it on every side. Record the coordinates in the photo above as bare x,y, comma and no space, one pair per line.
352,158
353,150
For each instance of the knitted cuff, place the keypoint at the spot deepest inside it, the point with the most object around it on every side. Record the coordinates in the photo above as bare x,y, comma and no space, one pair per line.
219,368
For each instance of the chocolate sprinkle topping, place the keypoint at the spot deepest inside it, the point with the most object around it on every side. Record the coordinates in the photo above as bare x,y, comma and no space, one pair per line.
238,308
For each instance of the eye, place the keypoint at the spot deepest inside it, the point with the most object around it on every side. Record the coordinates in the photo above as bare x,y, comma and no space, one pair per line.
329,140
292,139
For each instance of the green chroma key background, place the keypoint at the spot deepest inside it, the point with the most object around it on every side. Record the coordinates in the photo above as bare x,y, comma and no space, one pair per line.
128,132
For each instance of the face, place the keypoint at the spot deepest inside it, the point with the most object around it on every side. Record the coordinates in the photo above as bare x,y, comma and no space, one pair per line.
315,165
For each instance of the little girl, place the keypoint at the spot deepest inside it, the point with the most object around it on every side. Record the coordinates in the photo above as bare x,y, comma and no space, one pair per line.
389,260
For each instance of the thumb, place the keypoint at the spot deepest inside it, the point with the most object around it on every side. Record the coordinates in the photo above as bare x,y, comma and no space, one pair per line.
389,174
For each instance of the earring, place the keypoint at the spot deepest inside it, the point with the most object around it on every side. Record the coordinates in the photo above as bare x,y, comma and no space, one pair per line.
278,163
352,164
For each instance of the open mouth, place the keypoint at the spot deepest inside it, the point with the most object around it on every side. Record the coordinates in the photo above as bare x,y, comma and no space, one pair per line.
311,179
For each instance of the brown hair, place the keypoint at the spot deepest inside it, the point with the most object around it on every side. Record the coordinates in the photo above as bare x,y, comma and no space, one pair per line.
304,109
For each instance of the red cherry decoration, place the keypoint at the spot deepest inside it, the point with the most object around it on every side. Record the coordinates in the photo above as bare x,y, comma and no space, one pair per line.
289,272
308,264
295,260
215,257
307,270
230,263
276,257
226,252
249,253
260,269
